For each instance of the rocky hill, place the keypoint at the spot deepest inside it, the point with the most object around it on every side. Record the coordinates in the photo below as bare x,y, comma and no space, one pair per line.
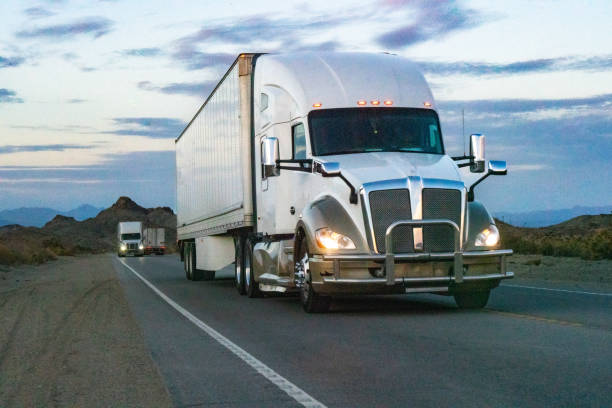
66,236
586,236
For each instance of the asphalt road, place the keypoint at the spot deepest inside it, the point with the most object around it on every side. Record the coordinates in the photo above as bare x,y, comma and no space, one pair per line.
529,347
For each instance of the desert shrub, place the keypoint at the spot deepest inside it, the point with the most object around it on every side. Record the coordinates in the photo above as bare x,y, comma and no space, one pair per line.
7,257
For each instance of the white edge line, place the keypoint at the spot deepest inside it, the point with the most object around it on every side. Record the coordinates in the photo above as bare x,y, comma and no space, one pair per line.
285,385
557,290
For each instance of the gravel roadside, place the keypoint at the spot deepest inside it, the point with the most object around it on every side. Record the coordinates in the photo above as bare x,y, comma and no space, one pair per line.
68,338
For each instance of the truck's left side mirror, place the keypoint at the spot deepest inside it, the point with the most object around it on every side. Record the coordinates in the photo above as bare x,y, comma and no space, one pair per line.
270,153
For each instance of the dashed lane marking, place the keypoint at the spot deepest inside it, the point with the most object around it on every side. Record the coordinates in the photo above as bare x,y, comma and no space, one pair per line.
285,385
557,290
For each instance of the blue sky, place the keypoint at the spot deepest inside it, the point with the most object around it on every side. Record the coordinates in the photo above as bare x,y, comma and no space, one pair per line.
92,94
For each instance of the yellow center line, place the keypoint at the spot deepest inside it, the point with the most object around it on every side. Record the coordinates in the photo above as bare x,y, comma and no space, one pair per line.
536,318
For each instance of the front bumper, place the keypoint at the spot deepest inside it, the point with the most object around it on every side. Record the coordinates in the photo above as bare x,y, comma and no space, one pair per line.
411,273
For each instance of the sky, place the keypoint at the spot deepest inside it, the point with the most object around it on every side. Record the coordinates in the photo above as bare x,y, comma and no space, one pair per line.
93,94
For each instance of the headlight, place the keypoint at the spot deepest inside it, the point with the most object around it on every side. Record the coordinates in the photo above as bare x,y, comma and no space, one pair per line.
140,246
329,239
123,247
488,237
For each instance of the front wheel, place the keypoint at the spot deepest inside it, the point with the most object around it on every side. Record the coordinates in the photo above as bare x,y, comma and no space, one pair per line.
312,302
472,300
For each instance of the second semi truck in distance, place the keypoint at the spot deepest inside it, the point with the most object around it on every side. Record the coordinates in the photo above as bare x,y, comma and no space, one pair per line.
129,237
326,173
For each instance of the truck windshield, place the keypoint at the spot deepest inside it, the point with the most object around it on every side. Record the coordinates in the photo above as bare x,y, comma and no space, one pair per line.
127,237
362,130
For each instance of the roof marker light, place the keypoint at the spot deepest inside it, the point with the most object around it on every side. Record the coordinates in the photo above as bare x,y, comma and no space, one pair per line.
375,102
316,105
427,104
361,102
388,102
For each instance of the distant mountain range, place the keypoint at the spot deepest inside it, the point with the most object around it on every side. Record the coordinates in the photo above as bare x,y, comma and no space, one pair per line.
544,218
39,216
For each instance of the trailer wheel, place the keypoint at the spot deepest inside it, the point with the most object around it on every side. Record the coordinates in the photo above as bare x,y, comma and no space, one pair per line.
250,286
239,242
472,300
312,302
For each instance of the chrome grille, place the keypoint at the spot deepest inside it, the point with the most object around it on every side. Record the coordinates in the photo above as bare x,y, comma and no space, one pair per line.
386,207
440,203
132,246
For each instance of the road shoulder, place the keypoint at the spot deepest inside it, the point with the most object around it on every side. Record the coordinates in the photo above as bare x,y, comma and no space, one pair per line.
68,338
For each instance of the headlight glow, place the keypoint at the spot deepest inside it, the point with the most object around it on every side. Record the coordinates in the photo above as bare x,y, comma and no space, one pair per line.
123,247
328,239
488,237
140,246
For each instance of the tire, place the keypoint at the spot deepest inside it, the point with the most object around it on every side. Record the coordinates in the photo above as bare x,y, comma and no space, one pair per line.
250,286
472,300
312,302
239,242
187,263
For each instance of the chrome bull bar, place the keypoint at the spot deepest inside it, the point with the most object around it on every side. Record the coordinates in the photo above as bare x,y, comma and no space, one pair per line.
390,256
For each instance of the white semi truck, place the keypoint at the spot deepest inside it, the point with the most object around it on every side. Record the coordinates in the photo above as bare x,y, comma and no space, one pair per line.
326,173
154,240
129,238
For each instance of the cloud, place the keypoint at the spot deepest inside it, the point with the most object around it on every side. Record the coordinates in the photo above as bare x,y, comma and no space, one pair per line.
76,100
38,12
93,26
6,62
266,34
592,63
151,186
9,96
148,127
432,20
41,148
141,52
514,106
195,59
201,89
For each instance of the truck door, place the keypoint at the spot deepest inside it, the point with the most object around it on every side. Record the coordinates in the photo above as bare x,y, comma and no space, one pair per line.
279,207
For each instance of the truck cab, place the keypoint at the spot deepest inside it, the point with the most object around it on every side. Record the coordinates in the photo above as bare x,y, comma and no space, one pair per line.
130,239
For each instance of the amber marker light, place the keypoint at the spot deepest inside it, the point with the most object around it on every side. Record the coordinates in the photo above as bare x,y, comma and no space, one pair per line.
361,102
388,102
316,105
375,103
427,104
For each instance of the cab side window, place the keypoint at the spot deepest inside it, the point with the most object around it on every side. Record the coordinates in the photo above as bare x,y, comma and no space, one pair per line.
299,141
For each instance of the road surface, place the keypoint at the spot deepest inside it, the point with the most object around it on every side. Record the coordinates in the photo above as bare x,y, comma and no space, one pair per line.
529,347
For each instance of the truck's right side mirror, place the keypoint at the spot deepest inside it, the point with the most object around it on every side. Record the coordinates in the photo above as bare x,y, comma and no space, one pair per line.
477,152
270,153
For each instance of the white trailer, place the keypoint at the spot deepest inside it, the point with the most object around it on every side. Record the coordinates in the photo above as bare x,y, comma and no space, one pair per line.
154,241
129,238
326,173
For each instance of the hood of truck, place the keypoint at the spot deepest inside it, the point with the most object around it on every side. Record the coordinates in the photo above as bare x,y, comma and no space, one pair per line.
130,241
378,166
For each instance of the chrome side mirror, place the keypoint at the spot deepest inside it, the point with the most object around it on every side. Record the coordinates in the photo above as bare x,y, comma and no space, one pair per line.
330,169
477,152
498,167
270,153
